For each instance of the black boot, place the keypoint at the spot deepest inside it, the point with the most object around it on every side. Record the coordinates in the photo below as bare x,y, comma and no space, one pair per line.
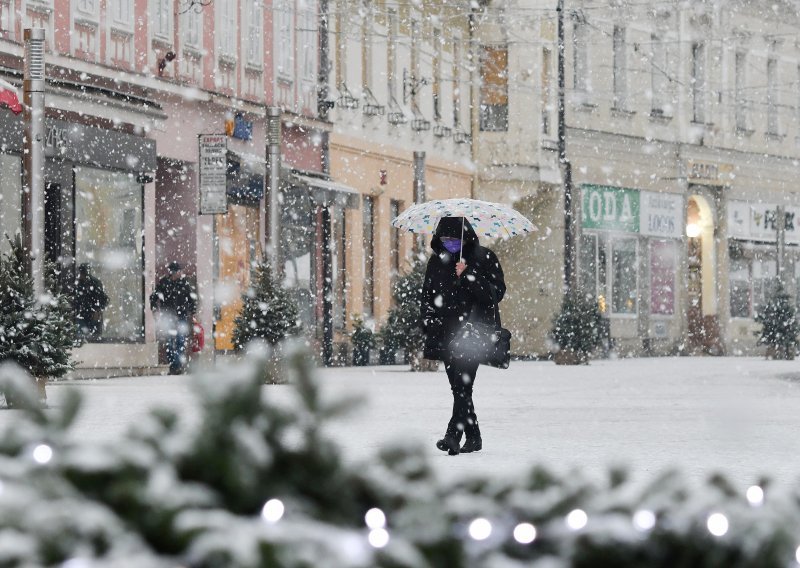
450,443
474,444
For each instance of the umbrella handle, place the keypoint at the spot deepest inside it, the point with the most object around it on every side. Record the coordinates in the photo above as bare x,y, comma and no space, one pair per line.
461,248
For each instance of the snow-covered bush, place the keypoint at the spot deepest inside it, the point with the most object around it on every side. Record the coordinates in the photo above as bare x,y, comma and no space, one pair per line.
403,326
577,328
779,326
363,339
269,312
251,483
36,333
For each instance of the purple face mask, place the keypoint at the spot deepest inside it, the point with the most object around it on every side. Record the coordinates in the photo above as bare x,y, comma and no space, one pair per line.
452,246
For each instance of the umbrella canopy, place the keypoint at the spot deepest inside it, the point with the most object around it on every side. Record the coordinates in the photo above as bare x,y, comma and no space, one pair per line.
487,219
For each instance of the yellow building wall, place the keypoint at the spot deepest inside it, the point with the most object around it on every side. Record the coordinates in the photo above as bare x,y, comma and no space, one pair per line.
358,164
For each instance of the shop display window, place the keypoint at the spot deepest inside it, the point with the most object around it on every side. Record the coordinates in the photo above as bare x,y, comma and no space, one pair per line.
624,276
753,277
662,277
10,198
109,238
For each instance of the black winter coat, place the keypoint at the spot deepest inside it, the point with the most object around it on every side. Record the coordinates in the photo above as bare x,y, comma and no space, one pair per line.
448,300
174,296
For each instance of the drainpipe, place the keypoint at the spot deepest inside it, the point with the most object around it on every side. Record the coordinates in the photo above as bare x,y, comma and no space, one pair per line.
33,156
780,222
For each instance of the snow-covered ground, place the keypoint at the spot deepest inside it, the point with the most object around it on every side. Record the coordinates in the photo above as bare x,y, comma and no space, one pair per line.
740,416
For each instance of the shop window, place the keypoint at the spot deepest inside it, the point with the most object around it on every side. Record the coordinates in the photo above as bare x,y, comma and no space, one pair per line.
298,249
764,277
368,218
494,89
752,279
592,269
394,244
624,276
740,288
10,198
339,266
108,237
662,277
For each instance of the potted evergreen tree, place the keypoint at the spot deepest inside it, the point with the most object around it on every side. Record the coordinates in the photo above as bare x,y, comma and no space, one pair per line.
779,327
403,327
36,333
269,313
363,339
577,329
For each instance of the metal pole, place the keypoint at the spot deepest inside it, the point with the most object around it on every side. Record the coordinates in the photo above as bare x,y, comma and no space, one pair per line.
566,167
419,192
780,226
274,167
33,156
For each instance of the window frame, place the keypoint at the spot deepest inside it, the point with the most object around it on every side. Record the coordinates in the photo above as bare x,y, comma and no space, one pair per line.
493,117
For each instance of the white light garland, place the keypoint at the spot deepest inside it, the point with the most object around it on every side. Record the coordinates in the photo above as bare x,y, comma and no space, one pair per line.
755,495
42,454
524,533
375,519
378,538
272,512
480,529
644,520
717,524
577,519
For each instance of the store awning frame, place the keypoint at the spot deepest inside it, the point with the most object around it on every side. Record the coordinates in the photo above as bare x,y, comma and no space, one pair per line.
326,192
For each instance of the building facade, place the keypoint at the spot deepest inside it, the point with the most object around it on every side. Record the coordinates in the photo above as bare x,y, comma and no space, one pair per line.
399,80
682,126
139,80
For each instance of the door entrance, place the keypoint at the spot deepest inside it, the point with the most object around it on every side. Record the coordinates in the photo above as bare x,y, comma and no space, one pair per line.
702,320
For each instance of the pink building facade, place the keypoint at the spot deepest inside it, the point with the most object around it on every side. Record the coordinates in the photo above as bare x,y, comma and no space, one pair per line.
147,77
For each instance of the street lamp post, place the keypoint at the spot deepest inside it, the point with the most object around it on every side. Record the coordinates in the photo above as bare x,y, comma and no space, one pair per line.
274,176
33,156
564,165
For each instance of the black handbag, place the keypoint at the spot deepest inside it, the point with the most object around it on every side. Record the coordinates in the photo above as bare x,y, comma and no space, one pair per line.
482,343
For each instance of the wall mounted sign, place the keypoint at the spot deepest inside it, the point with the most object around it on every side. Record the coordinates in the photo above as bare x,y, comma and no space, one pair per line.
610,208
661,214
759,221
212,178
708,173
632,211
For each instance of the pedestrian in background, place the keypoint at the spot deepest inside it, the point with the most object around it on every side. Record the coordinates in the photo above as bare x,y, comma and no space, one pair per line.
175,300
463,282
89,301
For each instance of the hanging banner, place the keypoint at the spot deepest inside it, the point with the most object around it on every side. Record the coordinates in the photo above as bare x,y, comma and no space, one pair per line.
212,178
661,214
610,208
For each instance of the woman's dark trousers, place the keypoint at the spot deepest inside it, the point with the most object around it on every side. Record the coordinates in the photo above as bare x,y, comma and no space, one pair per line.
462,379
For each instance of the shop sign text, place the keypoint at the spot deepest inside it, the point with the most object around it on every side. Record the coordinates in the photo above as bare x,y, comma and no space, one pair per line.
213,150
661,214
610,208
759,221
708,173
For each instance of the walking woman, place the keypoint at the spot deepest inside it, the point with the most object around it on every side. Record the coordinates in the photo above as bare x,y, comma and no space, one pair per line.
463,281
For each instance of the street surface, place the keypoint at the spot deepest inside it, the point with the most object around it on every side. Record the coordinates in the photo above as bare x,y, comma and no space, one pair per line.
739,416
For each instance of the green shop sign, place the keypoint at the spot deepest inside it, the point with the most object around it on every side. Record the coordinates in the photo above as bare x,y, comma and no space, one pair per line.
610,208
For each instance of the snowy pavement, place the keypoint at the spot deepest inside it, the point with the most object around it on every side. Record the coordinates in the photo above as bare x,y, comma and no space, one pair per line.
740,416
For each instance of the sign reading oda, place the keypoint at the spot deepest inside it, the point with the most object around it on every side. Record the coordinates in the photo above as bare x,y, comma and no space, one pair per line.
610,208
632,211
213,150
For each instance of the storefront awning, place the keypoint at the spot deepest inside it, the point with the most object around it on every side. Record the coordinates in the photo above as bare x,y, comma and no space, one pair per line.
327,192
